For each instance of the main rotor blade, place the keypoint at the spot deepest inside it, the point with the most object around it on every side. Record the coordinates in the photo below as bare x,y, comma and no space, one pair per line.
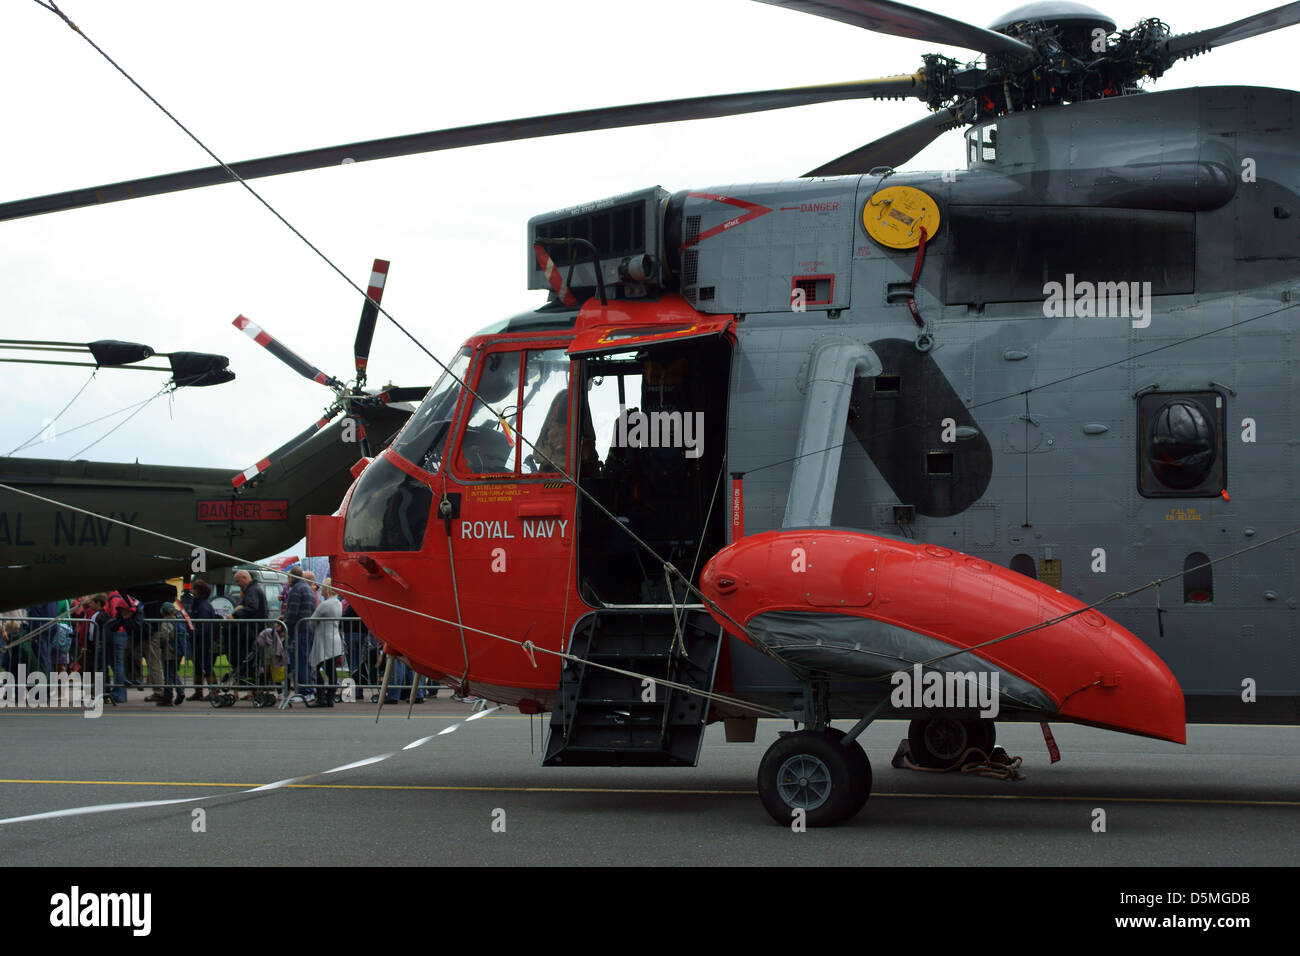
248,474
284,354
1189,44
901,20
897,147
663,111
369,313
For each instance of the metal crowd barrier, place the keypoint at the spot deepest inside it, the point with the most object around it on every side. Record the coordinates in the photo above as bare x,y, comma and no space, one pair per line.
223,653
362,662
32,642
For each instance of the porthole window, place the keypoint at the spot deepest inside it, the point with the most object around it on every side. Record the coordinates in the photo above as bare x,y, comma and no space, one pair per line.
1181,444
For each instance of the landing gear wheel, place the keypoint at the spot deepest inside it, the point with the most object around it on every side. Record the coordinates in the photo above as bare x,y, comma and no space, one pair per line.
982,733
811,771
862,772
937,742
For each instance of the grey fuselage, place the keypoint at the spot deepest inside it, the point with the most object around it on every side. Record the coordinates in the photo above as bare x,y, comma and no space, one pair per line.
1017,435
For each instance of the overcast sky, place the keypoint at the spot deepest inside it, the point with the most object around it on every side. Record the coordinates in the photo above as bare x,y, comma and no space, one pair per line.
257,78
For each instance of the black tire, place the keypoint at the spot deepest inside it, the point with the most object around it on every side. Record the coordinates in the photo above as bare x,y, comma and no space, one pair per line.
862,774
982,733
808,770
937,742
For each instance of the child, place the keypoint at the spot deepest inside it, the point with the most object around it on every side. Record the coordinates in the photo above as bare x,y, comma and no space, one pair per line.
166,642
62,648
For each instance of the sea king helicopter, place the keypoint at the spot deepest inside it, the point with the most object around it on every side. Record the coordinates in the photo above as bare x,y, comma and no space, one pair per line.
767,447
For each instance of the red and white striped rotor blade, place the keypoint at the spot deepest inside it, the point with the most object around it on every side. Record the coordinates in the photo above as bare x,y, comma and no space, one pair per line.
284,354
369,314
248,474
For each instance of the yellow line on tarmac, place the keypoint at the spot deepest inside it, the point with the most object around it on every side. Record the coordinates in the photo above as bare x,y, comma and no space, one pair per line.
684,791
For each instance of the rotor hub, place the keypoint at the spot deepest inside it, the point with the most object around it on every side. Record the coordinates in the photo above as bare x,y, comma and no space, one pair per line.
1073,17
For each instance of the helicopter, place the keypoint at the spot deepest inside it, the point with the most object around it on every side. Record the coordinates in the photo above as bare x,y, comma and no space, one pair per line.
928,414
68,523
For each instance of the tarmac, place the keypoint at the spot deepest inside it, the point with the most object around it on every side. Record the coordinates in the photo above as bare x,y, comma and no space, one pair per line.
477,795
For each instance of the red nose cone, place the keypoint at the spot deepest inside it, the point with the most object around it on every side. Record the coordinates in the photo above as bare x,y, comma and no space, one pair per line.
1085,668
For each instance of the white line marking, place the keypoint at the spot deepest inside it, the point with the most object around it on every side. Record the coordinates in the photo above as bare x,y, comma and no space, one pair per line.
360,763
101,808
264,788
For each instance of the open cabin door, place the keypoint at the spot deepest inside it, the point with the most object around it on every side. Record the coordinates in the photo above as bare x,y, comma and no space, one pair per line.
653,414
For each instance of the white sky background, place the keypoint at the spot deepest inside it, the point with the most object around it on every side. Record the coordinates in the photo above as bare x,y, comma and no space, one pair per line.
254,79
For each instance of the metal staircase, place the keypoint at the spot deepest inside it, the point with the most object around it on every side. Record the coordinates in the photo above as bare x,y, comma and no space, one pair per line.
604,719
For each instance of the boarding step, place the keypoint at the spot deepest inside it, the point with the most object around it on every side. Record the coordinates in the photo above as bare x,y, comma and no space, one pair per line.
605,719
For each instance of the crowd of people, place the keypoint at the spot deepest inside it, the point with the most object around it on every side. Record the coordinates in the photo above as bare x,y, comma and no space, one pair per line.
111,633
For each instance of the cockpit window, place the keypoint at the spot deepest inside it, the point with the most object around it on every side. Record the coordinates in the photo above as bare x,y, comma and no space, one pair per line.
530,391
489,445
389,510
424,438
545,405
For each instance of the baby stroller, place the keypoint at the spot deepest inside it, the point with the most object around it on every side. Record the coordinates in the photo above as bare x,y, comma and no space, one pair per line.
263,661
225,694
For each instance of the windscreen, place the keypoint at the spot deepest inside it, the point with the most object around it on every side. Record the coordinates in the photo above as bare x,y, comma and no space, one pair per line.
424,438
389,511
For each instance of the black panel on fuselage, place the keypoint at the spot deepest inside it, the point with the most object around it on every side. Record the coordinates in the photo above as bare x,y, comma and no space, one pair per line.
1007,253
898,418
